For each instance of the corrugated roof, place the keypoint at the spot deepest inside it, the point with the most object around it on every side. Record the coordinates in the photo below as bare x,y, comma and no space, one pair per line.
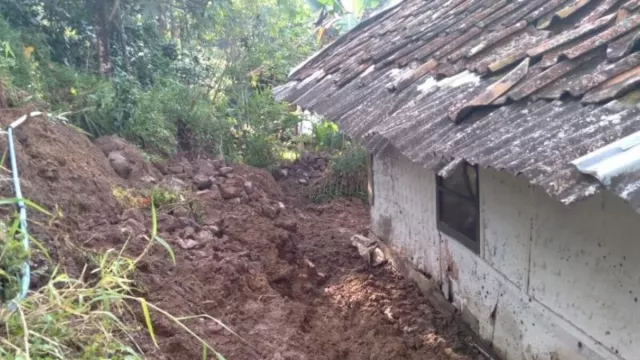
525,86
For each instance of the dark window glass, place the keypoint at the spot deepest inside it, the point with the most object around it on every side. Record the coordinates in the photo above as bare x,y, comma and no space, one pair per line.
458,206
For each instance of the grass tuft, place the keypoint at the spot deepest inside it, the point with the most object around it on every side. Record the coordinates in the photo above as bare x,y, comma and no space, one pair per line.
85,317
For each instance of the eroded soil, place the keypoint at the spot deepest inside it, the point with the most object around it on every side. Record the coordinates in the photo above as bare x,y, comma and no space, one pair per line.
280,273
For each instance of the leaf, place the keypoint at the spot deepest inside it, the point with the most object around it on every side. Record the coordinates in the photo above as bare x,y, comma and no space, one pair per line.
14,201
154,219
147,319
154,233
167,247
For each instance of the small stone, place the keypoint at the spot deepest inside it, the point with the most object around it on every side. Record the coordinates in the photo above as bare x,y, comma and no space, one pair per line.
133,227
229,192
287,224
202,181
180,212
167,223
50,173
226,170
148,179
207,168
215,230
244,198
176,169
133,213
213,218
248,187
281,207
219,162
188,244
188,232
303,181
173,184
269,211
364,245
120,164
377,257
280,174
212,194
205,236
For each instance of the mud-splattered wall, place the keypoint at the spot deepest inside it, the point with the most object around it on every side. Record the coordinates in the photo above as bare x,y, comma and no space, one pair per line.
551,282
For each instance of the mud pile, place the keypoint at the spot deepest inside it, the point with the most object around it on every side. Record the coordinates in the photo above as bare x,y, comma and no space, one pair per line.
283,276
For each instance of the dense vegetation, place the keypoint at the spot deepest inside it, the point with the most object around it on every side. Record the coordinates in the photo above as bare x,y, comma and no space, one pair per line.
172,75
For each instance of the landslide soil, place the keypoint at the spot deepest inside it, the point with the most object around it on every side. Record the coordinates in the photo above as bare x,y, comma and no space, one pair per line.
280,273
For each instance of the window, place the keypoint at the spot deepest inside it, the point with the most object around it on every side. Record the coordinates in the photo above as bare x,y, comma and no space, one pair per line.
458,206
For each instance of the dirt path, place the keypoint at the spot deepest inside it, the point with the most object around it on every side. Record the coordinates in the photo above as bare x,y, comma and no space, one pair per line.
295,289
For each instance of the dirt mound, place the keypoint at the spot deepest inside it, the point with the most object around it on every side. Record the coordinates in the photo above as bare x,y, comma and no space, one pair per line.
283,276
59,166
126,160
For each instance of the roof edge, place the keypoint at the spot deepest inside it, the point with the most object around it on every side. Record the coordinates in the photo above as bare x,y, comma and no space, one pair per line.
374,17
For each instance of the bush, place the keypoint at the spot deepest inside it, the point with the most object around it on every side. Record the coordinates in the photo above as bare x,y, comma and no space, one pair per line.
347,176
327,136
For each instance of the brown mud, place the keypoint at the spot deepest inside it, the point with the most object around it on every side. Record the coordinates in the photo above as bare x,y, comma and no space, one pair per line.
279,273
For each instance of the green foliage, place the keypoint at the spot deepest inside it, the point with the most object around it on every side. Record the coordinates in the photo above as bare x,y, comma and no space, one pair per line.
12,257
327,136
347,176
171,76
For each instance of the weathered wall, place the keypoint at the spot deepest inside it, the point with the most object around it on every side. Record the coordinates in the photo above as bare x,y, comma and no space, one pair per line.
551,282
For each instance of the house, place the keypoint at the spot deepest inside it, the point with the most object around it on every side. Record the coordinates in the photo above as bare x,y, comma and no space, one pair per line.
505,161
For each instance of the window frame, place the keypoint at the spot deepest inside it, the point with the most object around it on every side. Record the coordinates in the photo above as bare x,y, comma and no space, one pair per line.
471,244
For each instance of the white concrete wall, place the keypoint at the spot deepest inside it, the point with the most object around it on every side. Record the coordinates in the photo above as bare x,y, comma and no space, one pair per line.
551,282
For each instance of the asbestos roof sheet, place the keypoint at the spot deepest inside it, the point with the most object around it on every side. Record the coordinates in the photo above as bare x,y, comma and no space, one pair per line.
525,86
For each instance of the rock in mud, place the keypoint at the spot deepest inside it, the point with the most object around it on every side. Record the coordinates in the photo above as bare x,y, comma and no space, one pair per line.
215,230
364,245
205,236
303,181
148,179
202,181
280,174
173,184
50,172
229,192
287,224
176,169
377,257
167,223
180,211
188,244
120,164
133,213
132,227
269,211
207,168
226,170
187,233
248,187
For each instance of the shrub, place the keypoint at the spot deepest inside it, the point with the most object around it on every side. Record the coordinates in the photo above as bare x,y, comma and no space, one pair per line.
347,175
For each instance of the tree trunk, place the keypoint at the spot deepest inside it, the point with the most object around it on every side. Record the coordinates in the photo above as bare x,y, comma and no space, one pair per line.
102,36
123,43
